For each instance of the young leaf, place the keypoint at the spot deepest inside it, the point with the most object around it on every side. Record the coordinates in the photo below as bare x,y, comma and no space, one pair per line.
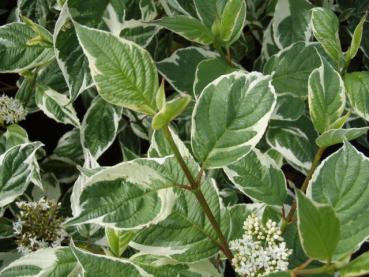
188,27
16,170
125,75
335,136
16,55
357,87
257,176
356,40
44,262
230,117
99,127
179,69
319,228
56,106
232,21
326,96
325,28
341,181
170,111
291,22
118,240
207,11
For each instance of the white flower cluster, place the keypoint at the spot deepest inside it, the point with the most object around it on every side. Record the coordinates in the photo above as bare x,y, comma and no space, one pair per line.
38,226
261,250
11,110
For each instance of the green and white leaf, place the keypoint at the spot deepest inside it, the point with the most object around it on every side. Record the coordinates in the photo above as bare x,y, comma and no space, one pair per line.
257,176
357,87
46,262
162,266
179,69
69,55
291,22
16,55
69,146
207,71
55,105
335,136
326,96
230,117
123,72
355,41
289,107
357,267
122,197
294,145
102,266
291,68
341,181
325,27
99,127
16,170
139,32
188,27
6,228
319,228
232,21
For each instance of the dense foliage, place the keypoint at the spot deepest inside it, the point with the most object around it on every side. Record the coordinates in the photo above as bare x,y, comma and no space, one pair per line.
199,138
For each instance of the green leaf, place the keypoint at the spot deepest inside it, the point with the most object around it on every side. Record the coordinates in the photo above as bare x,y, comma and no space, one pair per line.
179,69
122,197
103,266
124,73
39,11
341,181
46,262
16,170
319,228
188,27
357,267
326,96
170,111
335,136
15,53
291,22
356,40
230,117
294,144
208,70
69,55
232,21
118,240
257,176
56,106
99,127
325,27
291,68
357,87
140,33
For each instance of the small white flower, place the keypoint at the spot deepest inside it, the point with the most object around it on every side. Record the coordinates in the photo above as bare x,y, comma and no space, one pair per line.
17,227
261,250
11,110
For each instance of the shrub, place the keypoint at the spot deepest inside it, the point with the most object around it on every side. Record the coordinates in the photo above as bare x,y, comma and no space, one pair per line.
203,138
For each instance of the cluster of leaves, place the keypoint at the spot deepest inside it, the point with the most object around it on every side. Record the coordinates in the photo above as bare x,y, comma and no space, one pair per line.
253,92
